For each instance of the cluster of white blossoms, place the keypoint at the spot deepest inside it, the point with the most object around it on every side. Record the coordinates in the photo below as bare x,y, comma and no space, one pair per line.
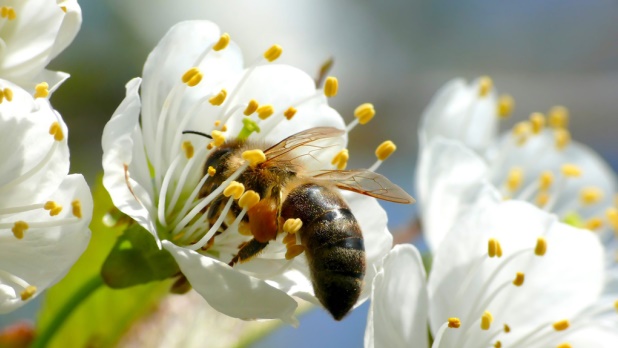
44,212
522,228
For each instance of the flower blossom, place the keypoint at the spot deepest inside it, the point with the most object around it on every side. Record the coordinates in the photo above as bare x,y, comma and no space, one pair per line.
194,80
44,213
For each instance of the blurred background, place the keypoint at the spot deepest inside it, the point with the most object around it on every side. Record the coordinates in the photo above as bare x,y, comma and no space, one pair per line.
392,53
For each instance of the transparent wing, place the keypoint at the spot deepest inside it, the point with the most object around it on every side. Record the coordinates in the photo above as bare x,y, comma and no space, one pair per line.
367,183
305,143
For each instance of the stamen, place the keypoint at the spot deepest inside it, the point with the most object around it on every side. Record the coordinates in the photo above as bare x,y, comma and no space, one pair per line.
265,111
486,320
542,198
494,248
612,215
213,229
559,117
192,77
507,328
19,227
218,138
53,207
290,112
56,130
519,279
8,12
249,199
485,85
537,120
541,247
498,344
545,180
570,170
505,107
564,345
8,94
77,208
224,128
41,90
452,323
341,159
211,171
249,126
562,138
224,40
64,9
28,292
188,149
273,53
251,107
590,195
521,131
594,224
219,98
254,157
385,149
292,226
234,189
331,86
561,325
514,179
363,114
293,251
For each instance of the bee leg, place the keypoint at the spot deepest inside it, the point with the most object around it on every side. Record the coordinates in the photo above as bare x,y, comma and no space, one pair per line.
247,251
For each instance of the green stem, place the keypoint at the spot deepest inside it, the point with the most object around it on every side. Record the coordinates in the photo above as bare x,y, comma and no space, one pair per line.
42,340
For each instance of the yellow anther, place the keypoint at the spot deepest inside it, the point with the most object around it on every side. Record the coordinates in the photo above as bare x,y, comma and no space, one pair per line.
289,239
8,94
505,107
562,138
210,145
12,15
254,157
192,77
384,150
570,170
507,328
224,128
537,120
454,323
545,180
77,208
541,247
187,147
616,305
486,320
249,199
265,111
364,113
542,198
292,225
499,250
293,251
273,53
234,189
28,292
7,12
492,247
64,9
559,117
224,40
331,86
251,107
485,85
211,171
41,90
56,130
245,229
19,227
341,159
219,98
217,123
521,131
498,344
590,195
594,224
612,215
217,137
53,207
561,325
1,96
519,279
514,179
290,112
564,345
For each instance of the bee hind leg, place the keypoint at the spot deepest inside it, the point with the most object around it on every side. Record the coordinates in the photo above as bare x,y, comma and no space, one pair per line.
247,251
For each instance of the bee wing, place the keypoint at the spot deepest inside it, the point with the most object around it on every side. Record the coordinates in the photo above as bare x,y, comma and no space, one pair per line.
367,183
306,142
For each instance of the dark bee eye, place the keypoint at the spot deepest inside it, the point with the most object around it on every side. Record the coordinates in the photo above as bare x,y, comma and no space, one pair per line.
218,159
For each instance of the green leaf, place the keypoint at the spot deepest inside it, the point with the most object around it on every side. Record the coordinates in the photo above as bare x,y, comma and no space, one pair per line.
136,259
105,316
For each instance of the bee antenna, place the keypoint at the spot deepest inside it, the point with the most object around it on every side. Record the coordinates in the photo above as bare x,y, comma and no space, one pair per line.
197,133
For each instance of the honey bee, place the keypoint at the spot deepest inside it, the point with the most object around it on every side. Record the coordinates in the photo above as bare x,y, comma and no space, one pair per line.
330,236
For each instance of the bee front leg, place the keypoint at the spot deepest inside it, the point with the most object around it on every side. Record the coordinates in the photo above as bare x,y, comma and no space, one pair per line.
247,251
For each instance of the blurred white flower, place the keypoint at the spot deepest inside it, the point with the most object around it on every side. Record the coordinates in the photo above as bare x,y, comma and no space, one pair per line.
505,275
32,33
194,80
44,213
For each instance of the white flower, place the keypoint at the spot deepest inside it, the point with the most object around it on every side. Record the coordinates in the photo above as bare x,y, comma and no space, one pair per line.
154,173
507,275
44,213
32,33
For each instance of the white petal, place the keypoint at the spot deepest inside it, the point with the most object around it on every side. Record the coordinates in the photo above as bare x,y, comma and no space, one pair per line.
399,303
597,337
231,292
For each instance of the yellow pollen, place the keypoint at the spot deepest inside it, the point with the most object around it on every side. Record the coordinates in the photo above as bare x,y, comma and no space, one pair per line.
234,189
507,328
542,198
8,12
559,117
292,225
331,86
499,250
564,345
251,107
53,207
77,208
211,171
187,147
224,40
485,85
217,123
289,239
454,323
265,111
612,215
486,320
514,179
218,137
56,130
341,159
64,9
562,138
505,107
19,227
519,279
570,170
192,77
364,113
28,292
249,199
594,224
219,98
290,112
616,305
41,90
498,344
561,325
210,145
245,229
521,131
254,157
293,251
545,180
541,247
8,94
537,120
224,128
590,195
384,150
273,53
492,247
